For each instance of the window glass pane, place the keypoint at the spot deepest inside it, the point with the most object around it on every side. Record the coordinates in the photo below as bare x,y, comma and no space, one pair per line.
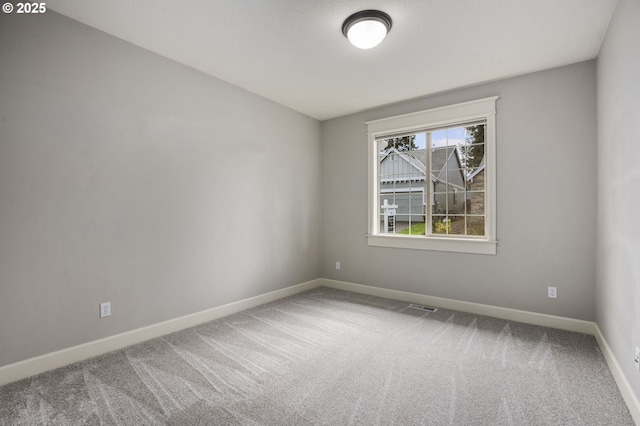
387,199
418,218
456,202
439,158
388,165
443,201
475,203
456,178
403,203
381,144
472,156
475,178
416,204
475,225
402,173
390,225
401,144
439,203
473,153
454,136
420,141
438,139
440,225
463,153
417,226
457,225
475,134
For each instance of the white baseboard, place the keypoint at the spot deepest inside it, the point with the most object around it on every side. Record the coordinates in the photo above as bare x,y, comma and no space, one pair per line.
30,367
562,323
570,324
623,384
40,364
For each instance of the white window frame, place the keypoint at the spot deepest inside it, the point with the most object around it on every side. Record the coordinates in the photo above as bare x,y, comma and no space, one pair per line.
481,109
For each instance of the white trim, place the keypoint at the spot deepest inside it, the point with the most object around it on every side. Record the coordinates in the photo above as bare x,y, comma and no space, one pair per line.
40,364
449,244
621,380
490,205
373,169
484,109
563,323
435,117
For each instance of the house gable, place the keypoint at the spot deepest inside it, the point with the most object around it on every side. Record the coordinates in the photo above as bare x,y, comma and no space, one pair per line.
398,167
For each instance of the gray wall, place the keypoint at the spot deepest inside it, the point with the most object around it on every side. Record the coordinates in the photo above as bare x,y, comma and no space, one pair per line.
546,195
129,178
618,278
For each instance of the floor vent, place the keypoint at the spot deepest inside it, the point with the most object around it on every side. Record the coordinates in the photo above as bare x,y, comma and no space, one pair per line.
423,308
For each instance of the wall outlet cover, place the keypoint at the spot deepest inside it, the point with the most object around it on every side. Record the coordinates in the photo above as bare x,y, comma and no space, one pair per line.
105,309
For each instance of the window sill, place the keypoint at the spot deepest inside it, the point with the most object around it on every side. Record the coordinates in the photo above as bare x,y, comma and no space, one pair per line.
456,245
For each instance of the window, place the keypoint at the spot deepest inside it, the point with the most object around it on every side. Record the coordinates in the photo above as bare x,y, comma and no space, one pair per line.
432,179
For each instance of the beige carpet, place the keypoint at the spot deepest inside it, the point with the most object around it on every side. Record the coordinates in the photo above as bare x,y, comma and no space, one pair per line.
327,357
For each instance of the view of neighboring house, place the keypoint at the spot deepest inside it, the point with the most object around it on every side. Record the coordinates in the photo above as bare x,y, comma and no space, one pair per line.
475,184
402,182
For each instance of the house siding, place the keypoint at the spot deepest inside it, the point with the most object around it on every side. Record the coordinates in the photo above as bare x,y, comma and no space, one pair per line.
408,197
476,199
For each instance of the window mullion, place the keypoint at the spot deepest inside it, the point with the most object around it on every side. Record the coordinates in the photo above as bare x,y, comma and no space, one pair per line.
374,185
427,183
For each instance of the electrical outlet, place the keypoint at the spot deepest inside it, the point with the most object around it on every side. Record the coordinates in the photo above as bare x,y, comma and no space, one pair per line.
637,360
105,309
552,292
337,265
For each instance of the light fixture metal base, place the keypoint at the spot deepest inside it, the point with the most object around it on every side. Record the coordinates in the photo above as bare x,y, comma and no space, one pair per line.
367,28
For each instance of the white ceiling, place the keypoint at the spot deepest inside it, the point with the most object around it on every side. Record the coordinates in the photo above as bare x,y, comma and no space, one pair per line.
293,51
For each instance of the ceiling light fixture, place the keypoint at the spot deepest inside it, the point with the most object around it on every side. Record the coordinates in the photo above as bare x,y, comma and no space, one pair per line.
367,28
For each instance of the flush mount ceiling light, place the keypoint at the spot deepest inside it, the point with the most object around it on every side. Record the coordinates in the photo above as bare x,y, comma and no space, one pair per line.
366,29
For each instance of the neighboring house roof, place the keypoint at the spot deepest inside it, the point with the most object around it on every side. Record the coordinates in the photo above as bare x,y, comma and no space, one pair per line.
476,171
414,160
439,158
417,167
417,160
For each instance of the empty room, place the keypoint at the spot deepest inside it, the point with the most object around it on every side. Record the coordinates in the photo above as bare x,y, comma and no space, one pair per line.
419,212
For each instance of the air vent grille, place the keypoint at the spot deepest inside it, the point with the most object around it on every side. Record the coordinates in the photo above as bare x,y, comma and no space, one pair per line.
423,308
